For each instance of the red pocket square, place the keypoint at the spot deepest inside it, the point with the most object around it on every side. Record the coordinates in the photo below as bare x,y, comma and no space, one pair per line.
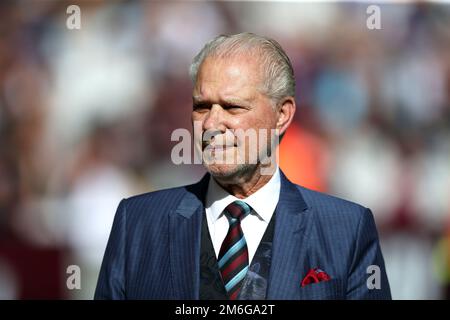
314,276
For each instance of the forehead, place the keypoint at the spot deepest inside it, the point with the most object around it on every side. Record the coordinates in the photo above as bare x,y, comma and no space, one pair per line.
228,76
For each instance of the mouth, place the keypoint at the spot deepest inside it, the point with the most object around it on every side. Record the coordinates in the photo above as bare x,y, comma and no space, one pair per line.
217,148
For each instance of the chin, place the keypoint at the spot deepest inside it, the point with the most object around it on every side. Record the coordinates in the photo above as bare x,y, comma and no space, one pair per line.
228,172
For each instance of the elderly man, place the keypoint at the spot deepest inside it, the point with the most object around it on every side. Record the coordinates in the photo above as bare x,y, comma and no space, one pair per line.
244,231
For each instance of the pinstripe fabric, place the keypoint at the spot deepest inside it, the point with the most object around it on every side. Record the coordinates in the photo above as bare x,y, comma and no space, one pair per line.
154,246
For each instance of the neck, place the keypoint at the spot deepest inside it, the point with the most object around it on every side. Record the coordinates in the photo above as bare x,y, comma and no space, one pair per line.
246,184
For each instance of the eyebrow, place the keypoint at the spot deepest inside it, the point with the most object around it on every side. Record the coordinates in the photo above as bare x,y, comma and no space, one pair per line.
198,99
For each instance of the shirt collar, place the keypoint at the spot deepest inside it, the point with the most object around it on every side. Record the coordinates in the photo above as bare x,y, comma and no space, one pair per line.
263,201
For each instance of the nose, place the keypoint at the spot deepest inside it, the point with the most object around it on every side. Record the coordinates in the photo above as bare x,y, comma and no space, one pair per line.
214,120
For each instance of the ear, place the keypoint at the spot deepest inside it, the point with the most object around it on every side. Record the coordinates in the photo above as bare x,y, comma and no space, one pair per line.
286,110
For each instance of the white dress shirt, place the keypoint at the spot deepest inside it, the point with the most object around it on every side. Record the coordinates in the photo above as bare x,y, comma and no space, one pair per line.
263,203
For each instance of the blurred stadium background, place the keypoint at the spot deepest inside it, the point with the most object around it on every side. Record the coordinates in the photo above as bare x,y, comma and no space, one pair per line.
86,117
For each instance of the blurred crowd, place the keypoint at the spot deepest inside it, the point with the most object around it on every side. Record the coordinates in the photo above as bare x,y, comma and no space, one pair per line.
86,118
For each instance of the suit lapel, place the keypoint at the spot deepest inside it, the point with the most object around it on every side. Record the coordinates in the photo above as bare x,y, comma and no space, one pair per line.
184,242
289,243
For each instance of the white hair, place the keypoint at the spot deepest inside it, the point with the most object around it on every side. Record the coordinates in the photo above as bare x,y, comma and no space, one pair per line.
279,81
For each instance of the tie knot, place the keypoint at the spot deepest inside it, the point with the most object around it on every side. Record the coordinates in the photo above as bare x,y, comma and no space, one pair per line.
237,210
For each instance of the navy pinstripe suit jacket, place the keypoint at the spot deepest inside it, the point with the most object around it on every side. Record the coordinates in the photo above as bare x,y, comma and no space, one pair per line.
154,247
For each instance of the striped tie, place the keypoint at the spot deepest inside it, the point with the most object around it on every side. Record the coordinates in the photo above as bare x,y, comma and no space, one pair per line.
233,255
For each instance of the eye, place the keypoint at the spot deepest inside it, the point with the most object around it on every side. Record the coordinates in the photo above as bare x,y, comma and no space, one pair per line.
231,106
200,106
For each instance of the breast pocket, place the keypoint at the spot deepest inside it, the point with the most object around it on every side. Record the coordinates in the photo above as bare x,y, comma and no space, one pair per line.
326,290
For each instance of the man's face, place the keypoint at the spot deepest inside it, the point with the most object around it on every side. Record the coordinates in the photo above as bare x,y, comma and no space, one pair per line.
227,99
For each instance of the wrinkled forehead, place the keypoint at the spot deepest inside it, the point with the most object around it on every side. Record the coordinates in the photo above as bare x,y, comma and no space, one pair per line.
229,75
